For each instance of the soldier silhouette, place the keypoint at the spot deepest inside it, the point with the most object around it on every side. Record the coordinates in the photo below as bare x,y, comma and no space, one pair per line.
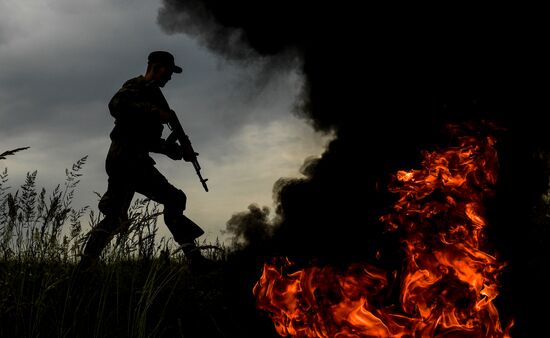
140,111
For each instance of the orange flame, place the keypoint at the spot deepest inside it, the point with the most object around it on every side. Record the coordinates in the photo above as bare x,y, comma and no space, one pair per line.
448,282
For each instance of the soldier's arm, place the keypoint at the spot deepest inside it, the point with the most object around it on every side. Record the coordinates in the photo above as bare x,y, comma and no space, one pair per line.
130,104
163,114
126,103
159,146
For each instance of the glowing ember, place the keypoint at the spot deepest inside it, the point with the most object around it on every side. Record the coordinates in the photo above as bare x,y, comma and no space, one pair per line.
447,284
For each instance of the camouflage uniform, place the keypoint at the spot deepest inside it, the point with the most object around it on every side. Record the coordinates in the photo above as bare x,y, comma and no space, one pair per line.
137,132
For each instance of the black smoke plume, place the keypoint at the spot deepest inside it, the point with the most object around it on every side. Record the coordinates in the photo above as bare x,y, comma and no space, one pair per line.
387,81
252,227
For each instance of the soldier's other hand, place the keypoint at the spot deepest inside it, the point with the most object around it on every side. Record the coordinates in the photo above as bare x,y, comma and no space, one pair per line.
189,154
173,151
165,115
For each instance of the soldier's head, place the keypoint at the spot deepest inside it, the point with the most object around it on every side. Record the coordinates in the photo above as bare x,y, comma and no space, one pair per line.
160,67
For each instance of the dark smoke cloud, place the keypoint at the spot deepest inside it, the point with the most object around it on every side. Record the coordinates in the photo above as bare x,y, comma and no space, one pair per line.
387,81
252,227
237,29
195,19
233,43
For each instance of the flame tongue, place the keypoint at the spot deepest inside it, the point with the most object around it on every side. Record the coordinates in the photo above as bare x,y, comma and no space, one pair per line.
448,282
321,302
448,278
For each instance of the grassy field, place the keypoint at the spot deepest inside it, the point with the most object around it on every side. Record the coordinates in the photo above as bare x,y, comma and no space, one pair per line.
142,287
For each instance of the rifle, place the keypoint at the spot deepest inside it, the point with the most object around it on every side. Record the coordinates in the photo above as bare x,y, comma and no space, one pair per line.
179,135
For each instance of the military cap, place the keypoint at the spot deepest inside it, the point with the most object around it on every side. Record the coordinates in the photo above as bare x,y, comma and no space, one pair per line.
164,58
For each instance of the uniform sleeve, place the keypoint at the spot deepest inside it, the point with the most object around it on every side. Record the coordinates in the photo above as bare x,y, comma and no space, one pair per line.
158,146
137,119
136,101
129,103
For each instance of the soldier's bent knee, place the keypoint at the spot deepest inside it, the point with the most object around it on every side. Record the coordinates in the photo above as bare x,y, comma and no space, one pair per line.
177,202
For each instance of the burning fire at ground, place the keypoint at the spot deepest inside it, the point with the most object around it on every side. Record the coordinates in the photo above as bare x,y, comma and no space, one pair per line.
448,282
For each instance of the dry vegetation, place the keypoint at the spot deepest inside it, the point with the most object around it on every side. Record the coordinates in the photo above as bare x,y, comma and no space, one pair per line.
142,287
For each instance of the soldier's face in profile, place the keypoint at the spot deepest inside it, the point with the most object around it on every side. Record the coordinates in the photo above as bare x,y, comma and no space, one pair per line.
163,75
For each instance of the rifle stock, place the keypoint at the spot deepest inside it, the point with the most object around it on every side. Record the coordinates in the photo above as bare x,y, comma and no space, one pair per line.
179,135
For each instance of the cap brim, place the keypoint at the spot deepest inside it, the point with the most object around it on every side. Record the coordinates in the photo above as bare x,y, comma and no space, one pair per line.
177,69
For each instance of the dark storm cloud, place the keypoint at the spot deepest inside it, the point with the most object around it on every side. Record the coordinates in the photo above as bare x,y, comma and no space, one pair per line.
61,76
60,65
62,61
4,35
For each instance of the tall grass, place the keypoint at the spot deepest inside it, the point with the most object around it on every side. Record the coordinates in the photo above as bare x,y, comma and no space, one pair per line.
32,222
142,287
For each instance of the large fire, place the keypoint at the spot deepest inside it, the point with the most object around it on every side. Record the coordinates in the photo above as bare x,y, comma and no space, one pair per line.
447,284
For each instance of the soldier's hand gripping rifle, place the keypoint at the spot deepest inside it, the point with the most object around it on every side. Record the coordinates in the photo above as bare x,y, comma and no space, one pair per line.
189,153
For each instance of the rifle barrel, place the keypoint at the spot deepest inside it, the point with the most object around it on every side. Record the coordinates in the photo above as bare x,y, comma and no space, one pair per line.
183,139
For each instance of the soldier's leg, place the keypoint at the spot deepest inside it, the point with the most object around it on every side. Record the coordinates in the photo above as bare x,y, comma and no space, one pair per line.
185,231
114,205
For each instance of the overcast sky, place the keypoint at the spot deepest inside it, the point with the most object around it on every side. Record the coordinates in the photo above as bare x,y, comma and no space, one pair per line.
62,60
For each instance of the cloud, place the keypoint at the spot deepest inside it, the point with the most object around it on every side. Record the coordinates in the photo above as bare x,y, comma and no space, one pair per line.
62,61
242,170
